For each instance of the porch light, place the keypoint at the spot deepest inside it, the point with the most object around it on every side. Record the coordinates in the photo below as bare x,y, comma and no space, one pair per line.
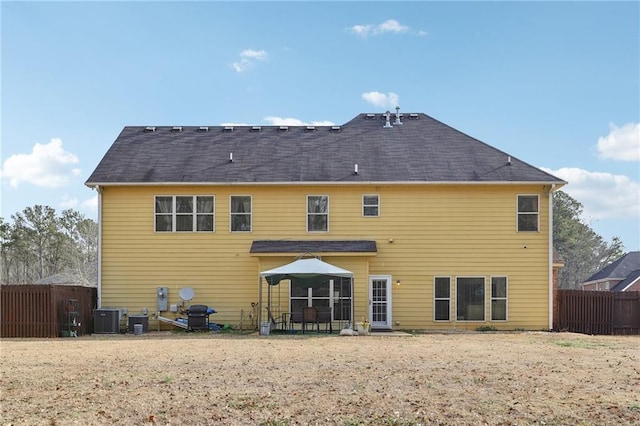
398,282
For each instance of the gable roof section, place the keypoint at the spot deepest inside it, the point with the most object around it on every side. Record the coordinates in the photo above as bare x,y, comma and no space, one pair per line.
619,269
420,150
631,279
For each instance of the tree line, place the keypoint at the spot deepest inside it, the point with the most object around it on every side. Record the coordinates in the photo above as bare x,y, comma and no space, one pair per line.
40,244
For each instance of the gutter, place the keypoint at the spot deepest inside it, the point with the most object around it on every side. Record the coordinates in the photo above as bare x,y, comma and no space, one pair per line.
551,288
323,183
99,301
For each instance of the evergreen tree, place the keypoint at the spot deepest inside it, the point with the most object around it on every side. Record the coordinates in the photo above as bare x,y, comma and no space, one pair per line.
583,250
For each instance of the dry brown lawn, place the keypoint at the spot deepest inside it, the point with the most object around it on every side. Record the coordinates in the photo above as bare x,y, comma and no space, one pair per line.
207,379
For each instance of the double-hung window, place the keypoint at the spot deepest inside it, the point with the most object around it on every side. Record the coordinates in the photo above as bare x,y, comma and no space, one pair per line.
317,213
240,213
528,213
498,298
184,213
370,205
442,299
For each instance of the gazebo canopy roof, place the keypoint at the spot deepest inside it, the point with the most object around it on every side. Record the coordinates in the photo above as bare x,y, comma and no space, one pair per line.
306,270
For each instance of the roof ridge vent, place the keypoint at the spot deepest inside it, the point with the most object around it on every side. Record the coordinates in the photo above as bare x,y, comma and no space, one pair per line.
256,128
311,128
397,116
284,128
228,128
387,123
370,116
336,128
150,129
413,115
204,128
177,128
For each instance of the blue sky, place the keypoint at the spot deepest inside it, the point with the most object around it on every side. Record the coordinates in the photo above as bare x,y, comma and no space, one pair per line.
555,84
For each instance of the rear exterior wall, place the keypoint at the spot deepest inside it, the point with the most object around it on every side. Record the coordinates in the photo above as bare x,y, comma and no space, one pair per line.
423,231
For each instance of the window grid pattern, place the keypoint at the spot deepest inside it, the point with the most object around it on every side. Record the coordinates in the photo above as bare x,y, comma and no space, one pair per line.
498,298
370,205
528,213
184,213
240,213
442,299
317,213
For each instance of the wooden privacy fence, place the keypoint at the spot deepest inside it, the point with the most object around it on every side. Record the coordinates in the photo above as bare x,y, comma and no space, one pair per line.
599,312
38,310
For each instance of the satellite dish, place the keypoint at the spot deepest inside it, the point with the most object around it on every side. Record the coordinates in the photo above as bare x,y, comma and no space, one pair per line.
186,293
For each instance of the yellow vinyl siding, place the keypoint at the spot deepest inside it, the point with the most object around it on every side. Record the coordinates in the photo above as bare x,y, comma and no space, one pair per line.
437,230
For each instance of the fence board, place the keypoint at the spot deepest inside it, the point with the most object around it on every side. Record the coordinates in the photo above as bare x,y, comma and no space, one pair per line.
599,312
35,310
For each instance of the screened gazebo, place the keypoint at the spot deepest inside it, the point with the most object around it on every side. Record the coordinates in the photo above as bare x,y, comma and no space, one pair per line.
306,273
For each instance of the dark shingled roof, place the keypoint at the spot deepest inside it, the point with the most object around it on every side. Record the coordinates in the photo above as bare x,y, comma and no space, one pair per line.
619,269
313,246
631,278
420,150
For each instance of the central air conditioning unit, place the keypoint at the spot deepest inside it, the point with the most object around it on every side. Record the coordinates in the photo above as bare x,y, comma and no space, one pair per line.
106,321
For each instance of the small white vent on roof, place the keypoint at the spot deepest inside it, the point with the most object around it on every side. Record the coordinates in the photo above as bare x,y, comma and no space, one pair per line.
177,128
284,128
413,115
355,169
150,129
204,129
398,115
256,128
387,123
311,128
335,128
228,128
370,116
231,157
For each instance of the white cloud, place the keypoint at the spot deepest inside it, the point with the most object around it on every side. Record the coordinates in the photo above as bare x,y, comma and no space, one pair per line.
47,165
248,58
388,26
603,195
390,100
621,144
280,121
91,204
68,202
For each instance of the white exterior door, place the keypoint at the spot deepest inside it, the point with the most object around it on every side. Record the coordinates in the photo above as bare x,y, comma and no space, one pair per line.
380,301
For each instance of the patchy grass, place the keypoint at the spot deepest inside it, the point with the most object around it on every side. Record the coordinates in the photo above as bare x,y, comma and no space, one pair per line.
284,380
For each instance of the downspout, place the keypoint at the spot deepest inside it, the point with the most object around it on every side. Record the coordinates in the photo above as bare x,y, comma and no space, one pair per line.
99,301
551,289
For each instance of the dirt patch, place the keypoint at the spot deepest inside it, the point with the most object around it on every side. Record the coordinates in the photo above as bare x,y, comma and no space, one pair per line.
199,379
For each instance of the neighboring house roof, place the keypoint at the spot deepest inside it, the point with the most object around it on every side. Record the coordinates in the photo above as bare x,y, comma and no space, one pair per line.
618,270
631,279
313,246
422,149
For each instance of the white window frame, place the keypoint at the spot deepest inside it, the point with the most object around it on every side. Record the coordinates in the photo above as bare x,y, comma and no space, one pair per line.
365,205
536,213
436,299
495,298
231,213
484,298
174,214
317,214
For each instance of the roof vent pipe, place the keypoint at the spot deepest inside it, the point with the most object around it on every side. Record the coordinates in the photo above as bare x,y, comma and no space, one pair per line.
397,116
355,169
231,157
387,123
508,160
